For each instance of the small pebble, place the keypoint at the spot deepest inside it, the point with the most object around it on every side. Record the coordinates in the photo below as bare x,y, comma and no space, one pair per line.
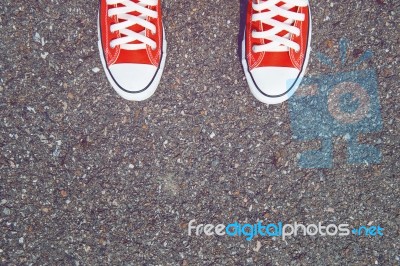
96,70
63,193
258,246
44,55
332,210
6,211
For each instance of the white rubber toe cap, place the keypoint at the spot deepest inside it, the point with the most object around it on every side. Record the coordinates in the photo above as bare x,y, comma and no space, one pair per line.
133,77
274,81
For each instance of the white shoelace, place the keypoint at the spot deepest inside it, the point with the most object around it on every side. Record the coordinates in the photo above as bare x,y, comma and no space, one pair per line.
127,20
277,43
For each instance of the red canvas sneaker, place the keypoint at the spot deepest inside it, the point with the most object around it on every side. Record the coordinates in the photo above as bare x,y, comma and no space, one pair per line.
276,47
132,46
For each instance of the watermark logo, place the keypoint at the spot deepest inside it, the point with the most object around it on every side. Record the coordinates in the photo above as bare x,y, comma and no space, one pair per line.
338,104
281,230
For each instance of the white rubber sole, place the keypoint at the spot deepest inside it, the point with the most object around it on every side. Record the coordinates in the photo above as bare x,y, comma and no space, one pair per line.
134,96
253,88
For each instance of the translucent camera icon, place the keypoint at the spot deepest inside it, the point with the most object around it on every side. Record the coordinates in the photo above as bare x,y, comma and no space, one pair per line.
338,104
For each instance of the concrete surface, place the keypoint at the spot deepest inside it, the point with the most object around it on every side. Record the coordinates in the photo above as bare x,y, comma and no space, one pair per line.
88,178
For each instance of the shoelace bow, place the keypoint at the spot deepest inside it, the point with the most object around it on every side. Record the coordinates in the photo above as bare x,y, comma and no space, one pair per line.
277,43
131,40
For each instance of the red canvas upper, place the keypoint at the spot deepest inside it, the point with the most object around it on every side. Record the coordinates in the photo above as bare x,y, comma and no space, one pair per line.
116,55
276,59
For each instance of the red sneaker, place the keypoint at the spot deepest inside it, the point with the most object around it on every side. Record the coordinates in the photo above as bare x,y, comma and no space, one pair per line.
276,47
132,46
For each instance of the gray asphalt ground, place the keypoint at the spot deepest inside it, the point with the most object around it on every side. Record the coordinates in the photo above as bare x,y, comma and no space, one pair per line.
88,178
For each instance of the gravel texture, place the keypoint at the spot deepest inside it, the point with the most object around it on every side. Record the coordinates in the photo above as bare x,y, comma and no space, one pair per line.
88,178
